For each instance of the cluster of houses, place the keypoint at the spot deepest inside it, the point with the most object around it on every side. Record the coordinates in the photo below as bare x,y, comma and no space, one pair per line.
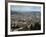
24,23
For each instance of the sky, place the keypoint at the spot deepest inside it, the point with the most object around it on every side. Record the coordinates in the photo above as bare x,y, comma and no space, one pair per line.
25,8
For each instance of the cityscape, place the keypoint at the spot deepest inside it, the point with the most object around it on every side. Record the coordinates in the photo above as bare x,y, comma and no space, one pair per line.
25,18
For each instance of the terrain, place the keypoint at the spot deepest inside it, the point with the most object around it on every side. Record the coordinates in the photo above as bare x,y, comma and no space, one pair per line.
25,21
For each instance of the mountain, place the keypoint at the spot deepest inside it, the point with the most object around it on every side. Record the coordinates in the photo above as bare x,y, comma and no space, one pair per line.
25,13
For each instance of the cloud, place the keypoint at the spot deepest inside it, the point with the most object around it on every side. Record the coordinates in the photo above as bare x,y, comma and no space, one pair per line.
25,8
